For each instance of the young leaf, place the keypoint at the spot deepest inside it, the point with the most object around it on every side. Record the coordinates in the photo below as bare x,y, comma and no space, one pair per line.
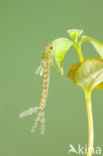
75,33
96,44
60,47
88,74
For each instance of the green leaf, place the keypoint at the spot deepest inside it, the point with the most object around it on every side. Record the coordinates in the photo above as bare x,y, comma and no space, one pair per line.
96,44
60,47
75,33
88,74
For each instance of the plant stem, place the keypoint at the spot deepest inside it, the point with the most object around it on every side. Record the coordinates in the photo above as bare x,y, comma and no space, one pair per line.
90,122
79,51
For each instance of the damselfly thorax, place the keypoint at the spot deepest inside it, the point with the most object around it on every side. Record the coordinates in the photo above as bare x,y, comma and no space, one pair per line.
45,59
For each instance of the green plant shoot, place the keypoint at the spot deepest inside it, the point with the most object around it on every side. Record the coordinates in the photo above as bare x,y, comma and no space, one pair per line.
88,75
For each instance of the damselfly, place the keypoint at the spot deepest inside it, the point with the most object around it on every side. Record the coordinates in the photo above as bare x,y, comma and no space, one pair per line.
44,70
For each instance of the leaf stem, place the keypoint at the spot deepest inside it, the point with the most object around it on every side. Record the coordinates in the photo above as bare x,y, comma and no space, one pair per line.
77,46
90,123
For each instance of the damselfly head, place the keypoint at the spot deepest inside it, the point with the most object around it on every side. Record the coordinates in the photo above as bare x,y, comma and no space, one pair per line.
48,47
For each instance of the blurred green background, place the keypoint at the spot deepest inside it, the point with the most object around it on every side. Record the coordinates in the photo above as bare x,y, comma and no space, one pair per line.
25,27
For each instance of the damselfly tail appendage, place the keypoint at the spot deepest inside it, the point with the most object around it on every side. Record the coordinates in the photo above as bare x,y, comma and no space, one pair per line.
41,114
43,69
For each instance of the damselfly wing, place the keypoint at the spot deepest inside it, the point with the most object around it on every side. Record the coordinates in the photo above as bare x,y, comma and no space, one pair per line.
40,69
